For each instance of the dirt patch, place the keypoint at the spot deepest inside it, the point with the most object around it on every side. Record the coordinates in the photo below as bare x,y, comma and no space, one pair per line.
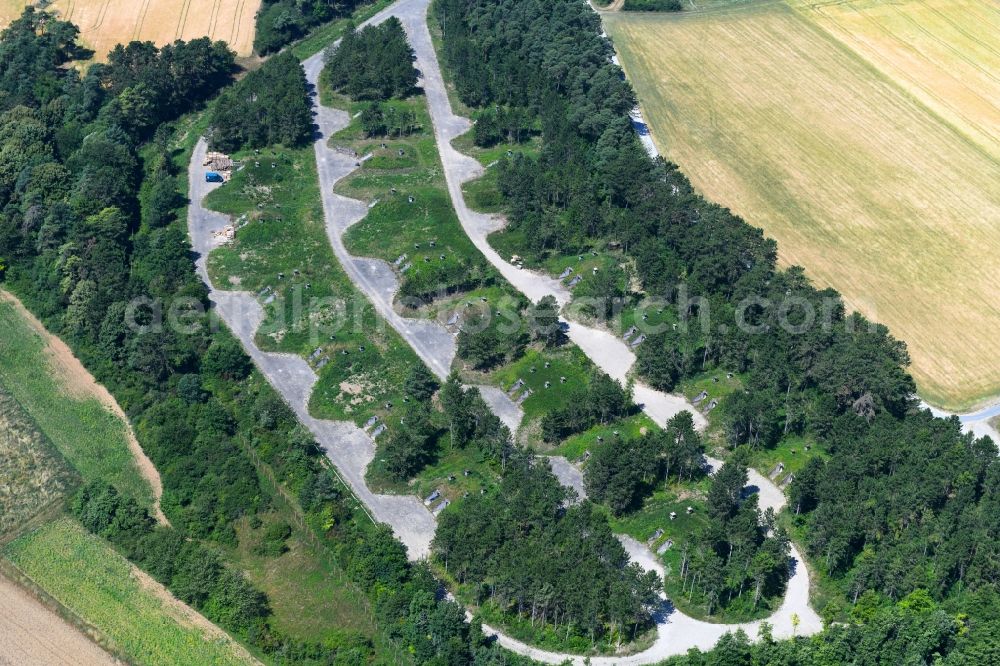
686,494
32,634
351,389
79,383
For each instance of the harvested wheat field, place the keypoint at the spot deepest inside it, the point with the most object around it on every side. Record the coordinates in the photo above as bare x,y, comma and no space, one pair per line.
105,23
33,635
944,52
859,181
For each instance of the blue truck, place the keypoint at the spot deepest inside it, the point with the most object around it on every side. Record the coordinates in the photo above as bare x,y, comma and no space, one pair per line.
213,177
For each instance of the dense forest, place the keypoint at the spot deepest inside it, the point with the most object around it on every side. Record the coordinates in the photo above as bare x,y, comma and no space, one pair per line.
93,218
504,545
625,471
374,63
280,22
268,106
901,517
837,380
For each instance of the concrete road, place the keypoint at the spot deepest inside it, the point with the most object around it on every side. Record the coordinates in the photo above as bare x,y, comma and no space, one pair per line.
978,423
349,448
676,631
432,342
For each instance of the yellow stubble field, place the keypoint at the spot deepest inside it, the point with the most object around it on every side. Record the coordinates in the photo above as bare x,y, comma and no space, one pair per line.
873,190
105,23
944,52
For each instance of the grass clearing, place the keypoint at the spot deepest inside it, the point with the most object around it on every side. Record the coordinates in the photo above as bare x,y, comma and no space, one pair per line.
860,183
105,23
483,193
411,223
34,474
655,513
575,447
448,474
791,453
314,305
84,574
309,594
49,387
540,366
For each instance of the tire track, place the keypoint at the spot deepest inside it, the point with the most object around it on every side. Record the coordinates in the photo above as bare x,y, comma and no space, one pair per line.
959,29
938,99
101,14
140,19
237,23
213,18
182,19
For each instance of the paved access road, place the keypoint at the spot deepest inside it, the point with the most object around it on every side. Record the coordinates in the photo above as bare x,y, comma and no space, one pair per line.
978,423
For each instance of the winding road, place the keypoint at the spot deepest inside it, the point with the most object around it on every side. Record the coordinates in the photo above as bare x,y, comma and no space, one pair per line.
676,632
350,449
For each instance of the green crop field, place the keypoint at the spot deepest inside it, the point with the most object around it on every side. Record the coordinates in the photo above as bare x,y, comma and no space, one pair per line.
88,577
862,178
285,234
48,387
34,473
